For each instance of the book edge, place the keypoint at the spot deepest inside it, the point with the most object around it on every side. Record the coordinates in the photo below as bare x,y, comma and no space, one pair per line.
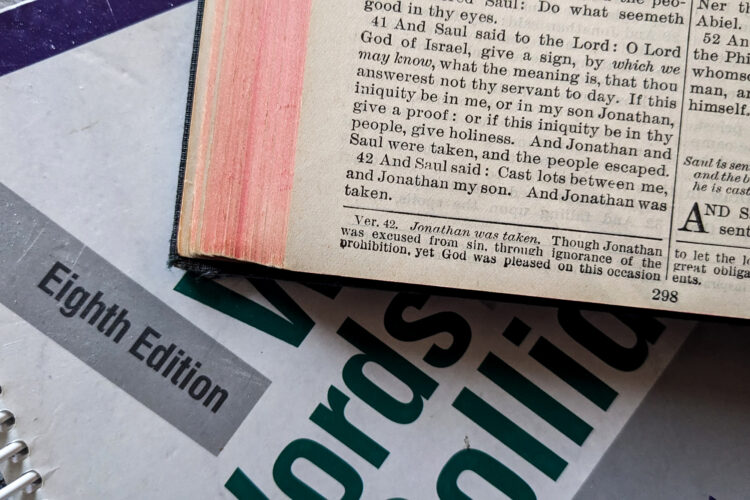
174,256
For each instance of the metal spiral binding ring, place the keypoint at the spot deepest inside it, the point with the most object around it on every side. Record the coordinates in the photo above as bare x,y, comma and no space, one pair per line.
16,451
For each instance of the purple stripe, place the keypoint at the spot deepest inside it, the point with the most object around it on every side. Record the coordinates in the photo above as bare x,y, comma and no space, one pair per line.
42,29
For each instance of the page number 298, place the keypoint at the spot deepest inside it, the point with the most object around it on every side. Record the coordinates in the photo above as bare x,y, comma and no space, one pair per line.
665,295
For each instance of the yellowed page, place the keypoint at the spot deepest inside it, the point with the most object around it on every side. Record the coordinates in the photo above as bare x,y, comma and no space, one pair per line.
591,151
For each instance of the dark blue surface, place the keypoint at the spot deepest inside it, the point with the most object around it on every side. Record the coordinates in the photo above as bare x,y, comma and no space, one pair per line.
38,30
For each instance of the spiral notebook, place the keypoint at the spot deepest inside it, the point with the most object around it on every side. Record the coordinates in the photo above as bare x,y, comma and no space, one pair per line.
14,453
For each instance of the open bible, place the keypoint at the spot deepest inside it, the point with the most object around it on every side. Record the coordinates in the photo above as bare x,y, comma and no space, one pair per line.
592,151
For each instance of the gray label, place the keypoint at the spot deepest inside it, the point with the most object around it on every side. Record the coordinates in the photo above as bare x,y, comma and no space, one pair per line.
119,329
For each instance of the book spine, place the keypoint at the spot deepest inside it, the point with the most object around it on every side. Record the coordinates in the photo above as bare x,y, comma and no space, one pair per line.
174,257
